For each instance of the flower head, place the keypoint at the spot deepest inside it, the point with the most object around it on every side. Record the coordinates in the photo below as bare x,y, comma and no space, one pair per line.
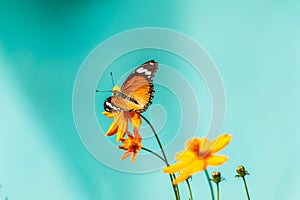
120,124
131,145
216,177
241,171
199,154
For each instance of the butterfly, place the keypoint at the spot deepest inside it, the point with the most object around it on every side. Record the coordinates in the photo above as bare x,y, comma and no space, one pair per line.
137,91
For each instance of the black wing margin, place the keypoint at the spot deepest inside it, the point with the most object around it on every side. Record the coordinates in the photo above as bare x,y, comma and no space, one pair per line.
148,70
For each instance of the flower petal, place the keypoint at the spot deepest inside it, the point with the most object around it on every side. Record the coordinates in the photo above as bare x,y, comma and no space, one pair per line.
197,166
185,155
136,133
216,160
108,114
112,129
122,129
134,155
125,155
120,134
135,119
206,146
185,174
119,117
193,145
176,167
221,142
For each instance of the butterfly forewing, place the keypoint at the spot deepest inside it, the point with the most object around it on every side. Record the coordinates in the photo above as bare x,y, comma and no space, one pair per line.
136,92
148,70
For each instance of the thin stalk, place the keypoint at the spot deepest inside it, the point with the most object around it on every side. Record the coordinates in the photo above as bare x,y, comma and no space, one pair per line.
172,177
175,186
245,184
218,191
210,185
145,149
157,139
190,189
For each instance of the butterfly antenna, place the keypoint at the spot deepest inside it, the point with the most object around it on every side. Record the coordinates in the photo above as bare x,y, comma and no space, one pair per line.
103,90
112,79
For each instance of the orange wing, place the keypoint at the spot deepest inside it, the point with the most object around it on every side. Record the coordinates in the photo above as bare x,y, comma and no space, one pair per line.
140,90
116,103
139,84
137,90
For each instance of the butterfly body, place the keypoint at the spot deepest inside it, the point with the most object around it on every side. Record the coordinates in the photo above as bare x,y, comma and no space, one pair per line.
122,95
137,91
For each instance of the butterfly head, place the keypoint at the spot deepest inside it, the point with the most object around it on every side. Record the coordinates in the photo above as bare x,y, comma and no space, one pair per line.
116,89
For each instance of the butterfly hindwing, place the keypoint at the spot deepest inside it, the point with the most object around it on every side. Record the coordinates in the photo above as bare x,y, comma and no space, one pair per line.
137,91
109,106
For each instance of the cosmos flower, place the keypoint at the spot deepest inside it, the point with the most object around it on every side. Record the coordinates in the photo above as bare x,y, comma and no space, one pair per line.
199,154
120,124
132,145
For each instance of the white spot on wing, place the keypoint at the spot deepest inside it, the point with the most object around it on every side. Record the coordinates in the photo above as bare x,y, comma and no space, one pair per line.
148,73
143,70
111,106
151,63
140,70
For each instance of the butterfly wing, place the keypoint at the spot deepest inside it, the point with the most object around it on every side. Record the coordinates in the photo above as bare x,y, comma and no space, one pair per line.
116,104
136,92
139,85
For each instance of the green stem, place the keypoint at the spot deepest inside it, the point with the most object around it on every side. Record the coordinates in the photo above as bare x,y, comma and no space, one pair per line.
172,176
190,189
175,186
157,139
218,191
210,185
245,184
145,149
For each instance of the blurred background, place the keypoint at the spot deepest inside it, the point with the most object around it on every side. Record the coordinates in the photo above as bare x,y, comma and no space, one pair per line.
255,45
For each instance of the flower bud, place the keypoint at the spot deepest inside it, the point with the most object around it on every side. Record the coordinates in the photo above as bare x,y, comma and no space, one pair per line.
216,177
241,171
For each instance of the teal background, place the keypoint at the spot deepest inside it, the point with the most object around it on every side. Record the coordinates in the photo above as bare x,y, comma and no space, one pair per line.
255,45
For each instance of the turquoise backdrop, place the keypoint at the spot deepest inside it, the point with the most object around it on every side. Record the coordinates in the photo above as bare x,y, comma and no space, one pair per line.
255,45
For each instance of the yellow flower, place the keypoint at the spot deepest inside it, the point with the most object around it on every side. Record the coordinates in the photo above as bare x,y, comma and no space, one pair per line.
199,154
120,123
131,145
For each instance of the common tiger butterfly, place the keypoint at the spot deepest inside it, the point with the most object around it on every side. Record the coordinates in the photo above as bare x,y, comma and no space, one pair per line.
137,91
